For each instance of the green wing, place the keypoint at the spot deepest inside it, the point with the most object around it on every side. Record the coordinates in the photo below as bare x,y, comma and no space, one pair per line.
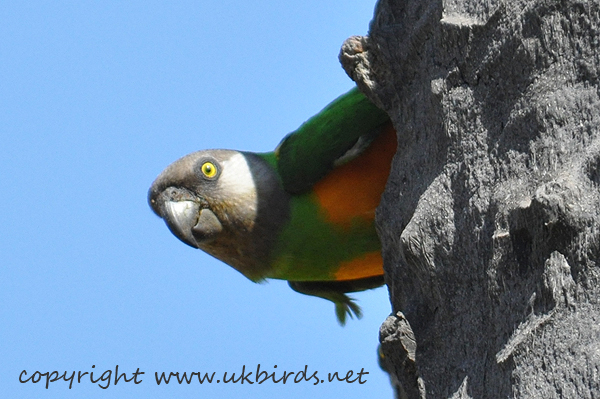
336,134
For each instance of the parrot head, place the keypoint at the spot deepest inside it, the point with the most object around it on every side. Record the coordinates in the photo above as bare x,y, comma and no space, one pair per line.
227,203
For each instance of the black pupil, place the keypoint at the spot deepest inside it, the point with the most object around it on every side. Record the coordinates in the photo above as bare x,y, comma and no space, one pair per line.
208,169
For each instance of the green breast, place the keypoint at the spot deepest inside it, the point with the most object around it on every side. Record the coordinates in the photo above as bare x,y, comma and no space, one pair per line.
312,249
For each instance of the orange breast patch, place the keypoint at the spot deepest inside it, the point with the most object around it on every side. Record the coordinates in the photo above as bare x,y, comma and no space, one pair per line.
354,189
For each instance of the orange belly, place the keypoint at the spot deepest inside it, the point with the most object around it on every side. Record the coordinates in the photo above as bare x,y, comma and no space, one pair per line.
354,189
369,265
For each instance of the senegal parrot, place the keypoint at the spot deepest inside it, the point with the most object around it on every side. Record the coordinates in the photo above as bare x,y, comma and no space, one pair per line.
303,213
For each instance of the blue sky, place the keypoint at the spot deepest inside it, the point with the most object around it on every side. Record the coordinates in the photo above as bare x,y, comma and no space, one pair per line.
96,99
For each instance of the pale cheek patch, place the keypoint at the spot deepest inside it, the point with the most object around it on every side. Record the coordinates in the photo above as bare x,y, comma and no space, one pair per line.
237,184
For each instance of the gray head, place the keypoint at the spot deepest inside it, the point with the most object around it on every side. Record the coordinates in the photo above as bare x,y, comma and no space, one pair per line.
227,203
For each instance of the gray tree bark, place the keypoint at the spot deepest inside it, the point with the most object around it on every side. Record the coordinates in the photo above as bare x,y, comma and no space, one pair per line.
489,223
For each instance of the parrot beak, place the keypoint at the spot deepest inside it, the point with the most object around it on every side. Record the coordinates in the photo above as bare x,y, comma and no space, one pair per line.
181,217
188,218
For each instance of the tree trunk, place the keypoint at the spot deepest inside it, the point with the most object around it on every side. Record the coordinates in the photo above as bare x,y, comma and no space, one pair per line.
489,223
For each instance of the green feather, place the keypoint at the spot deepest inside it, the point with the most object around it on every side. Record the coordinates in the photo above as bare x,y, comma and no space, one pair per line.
317,245
306,155
292,237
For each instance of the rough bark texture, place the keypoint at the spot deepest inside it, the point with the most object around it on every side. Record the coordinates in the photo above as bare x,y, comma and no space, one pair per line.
489,223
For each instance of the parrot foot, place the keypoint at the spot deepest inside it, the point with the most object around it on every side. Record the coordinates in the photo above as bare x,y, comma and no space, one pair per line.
346,307
335,291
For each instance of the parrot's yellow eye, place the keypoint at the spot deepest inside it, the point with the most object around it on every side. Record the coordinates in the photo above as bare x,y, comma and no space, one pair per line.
209,169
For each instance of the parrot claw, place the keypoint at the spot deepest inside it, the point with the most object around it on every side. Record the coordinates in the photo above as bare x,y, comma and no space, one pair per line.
346,307
335,291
